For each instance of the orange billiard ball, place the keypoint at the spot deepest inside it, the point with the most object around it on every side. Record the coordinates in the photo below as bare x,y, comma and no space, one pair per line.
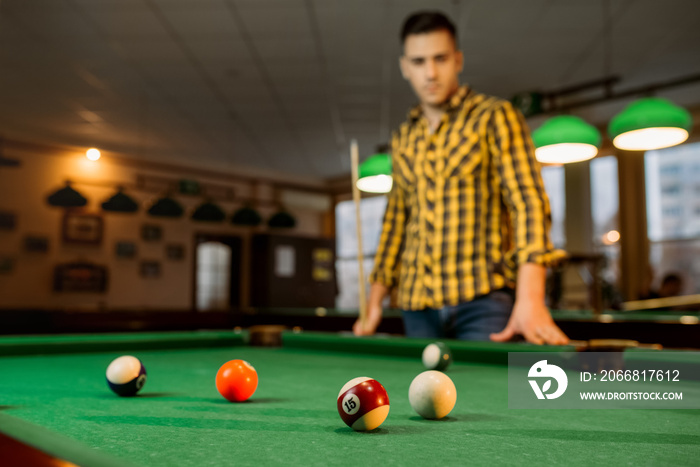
237,380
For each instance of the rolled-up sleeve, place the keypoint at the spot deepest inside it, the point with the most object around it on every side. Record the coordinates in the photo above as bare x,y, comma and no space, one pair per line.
391,240
522,189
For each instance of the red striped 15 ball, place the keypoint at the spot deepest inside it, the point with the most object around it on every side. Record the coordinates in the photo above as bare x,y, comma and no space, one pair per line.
363,404
126,375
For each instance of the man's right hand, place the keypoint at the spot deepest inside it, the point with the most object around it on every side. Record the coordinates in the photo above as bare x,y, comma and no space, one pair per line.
377,292
369,327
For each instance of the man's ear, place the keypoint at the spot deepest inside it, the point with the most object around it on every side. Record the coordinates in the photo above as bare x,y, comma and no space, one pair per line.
460,61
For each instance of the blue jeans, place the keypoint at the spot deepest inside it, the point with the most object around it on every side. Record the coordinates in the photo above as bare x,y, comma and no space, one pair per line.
473,320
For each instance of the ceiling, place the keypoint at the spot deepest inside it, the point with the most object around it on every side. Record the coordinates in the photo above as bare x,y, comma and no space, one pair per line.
284,85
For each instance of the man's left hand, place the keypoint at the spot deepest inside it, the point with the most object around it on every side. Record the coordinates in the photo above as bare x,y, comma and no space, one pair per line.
532,320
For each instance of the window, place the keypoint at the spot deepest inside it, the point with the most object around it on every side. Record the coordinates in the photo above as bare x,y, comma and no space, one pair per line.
605,197
670,169
670,212
672,188
673,214
669,190
553,177
605,207
371,216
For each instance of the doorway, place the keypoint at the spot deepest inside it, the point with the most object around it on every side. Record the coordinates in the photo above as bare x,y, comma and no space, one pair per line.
217,272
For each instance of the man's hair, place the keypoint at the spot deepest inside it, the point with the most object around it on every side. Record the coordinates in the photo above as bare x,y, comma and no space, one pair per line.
423,22
672,277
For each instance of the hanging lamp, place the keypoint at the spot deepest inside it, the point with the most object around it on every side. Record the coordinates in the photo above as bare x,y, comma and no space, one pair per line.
650,123
246,216
120,202
565,139
66,197
208,212
166,207
375,174
282,220
6,161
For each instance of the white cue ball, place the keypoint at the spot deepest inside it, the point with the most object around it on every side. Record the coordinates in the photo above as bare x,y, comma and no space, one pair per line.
432,394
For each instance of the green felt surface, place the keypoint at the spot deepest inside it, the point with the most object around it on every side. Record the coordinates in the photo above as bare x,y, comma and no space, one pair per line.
292,419
464,351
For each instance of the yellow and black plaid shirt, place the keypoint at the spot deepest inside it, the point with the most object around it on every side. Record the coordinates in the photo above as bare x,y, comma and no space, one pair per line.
467,206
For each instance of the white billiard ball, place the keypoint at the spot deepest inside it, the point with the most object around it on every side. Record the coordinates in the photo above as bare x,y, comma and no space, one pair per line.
432,394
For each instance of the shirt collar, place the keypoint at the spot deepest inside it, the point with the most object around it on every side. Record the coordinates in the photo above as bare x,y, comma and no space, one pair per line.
455,102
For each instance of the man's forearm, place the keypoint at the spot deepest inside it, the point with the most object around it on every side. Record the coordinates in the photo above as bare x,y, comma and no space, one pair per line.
531,282
377,292
369,326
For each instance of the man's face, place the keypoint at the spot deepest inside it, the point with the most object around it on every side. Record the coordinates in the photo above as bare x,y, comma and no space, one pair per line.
431,63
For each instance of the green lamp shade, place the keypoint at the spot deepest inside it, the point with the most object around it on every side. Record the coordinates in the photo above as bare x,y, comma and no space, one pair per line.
282,220
246,216
120,202
208,212
67,197
375,174
565,139
650,123
166,207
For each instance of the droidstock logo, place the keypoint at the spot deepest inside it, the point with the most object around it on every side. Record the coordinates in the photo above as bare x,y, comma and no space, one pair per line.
544,371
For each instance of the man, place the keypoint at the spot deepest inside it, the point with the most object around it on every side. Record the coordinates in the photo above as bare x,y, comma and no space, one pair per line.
467,213
671,285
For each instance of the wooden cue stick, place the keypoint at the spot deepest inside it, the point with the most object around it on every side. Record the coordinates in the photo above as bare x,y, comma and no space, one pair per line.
656,303
621,343
354,158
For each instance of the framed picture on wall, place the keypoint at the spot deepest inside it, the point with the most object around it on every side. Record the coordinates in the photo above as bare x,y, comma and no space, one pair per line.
36,244
125,249
80,277
8,220
175,252
150,269
81,228
151,232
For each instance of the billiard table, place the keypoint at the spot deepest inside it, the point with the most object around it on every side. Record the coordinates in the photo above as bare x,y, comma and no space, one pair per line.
55,404
672,329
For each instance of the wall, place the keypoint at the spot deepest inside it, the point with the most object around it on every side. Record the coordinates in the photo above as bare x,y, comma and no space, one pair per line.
24,189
